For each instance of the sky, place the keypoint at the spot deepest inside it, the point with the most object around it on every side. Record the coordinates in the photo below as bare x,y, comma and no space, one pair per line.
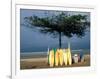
31,40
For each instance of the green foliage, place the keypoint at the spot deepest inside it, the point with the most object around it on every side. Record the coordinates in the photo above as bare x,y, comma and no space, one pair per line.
60,25
75,25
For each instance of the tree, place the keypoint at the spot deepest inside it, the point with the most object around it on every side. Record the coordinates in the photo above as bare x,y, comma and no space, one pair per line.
52,25
75,25
60,25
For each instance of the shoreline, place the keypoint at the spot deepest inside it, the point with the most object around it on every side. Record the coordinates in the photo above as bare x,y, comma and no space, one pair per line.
41,62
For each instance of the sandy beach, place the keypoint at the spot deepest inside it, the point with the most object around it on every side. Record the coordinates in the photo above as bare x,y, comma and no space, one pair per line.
41,62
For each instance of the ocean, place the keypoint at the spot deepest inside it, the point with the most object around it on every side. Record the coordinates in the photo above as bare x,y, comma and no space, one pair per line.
24,55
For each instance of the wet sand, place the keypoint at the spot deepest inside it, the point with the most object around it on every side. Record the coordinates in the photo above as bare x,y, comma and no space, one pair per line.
41,62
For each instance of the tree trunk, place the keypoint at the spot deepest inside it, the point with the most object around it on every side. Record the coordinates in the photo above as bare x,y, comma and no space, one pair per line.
59,39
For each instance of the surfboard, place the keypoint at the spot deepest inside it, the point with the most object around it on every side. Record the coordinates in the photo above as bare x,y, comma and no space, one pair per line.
57,57
48,55
65,56
69,56
51,58
61,57
54,54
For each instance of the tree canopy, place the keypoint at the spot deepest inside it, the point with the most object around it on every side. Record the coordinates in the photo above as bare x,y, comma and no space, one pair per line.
60,25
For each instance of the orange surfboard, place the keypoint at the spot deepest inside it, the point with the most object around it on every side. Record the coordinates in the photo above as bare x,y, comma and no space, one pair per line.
57,58
61,57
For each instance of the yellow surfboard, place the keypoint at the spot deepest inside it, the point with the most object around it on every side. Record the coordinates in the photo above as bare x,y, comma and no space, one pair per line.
69,57
51,58
61,57
48,55
57,58
65,59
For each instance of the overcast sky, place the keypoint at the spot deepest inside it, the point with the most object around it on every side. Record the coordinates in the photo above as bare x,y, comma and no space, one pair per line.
32,40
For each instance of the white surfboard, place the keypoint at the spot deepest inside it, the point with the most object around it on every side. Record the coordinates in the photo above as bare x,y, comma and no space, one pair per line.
48,56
